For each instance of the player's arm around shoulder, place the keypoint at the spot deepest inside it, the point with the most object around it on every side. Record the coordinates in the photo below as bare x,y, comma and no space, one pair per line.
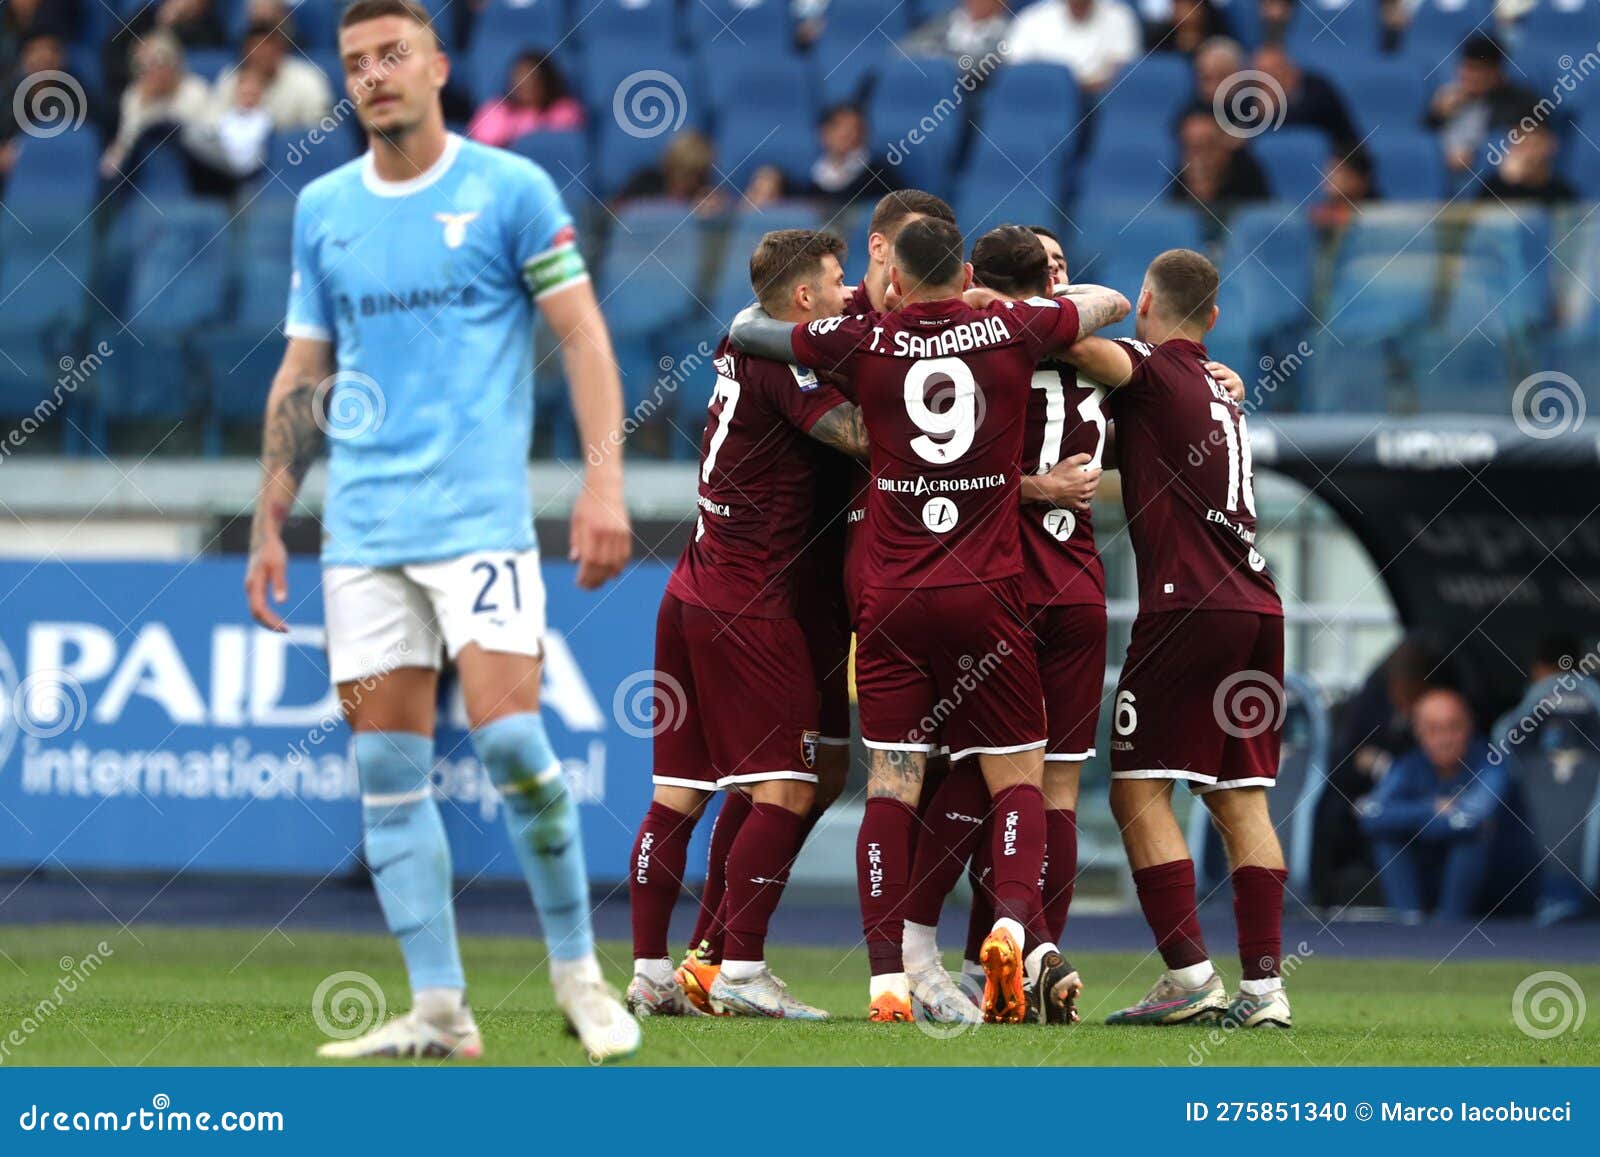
1108,362
755,331
601,533
1097,307
843,428
291,440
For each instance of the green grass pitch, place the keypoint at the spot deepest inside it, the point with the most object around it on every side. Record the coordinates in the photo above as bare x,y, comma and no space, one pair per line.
196,997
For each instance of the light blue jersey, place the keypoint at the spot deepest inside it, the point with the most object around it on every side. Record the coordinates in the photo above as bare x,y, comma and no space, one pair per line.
426,289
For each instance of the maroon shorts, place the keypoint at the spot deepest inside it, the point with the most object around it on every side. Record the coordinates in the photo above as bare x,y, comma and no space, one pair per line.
825,619
950,666
733,699
1070,642
1201,698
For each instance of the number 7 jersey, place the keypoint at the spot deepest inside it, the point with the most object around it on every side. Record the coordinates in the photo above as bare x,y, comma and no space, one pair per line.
1184,452
943,390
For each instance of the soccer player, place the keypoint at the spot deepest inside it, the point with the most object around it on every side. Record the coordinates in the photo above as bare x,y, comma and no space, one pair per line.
418,269
728,638
941,598
1208,638
1064,587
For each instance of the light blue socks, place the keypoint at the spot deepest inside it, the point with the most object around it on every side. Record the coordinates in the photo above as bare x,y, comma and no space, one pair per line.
543,821
408,854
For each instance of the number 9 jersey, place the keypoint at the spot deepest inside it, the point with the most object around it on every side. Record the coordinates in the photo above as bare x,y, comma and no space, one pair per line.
944,390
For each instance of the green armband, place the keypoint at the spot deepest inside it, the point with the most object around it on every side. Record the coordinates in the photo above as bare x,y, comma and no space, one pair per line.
554,270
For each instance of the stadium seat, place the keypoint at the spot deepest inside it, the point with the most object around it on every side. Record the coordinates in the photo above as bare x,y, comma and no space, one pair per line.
1387,274
741,25
1384,93
1408,166
1124,169
294,160
1438,27
907,93
210,63
1147,94
564,155
731,290
1266,267
862,28
1019,181
240,355
1113,242
764,114
44,268
61,171
620,26
1325,34
1293,160
1505,254
658,94
651,262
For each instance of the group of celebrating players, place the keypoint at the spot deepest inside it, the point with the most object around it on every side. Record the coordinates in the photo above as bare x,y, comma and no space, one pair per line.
913,461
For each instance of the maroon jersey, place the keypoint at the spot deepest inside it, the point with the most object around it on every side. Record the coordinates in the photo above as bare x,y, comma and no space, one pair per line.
757,487
858,482
1060,564
1184,453
943,389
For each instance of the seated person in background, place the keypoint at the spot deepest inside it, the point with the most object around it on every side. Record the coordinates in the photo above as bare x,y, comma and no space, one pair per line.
973,28
1188,25
1094,38
1311,101
1214,168
684,173
196,24
537,99
233,142
845,169
1432,817
1215,61
1527,171
164,92
1274,19
29,96
1346,185
295,94
1479,103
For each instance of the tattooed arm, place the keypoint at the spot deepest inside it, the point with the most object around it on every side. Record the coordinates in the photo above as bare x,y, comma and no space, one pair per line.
290,442
1097,307
843,429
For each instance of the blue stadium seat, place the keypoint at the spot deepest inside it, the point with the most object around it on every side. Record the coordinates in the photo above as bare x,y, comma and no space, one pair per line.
624,25
652,258
1580,163
1387,275
1408,165
653,107
294,160
1114,241
1017,182
240,355
1327,33
503,33
210,63
1027,100
45,259
764,114
1460,372
1293,160
845,74
315,22
1266,267
1244,20
741,25
60,171
907,92
565,156
1438,27
1121,168
1147,96
1384,93
875,25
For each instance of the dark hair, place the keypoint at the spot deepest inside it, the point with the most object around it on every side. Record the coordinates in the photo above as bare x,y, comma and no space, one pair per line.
548,72
895,209
833,110
1184,284
1484,49
928,252
363,10
266,30
786,257
1041,231
1011,260
1552,648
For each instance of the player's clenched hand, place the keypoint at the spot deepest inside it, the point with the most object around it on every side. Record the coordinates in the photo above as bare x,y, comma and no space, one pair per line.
602,538
1070,484
267,573
1227,379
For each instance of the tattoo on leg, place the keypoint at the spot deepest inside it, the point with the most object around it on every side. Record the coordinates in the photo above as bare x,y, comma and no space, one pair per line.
896,775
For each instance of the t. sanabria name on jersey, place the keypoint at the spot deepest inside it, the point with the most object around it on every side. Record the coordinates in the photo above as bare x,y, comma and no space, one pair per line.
958,338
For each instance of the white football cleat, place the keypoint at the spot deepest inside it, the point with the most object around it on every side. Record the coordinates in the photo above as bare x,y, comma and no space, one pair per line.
761,995
1269,1010
596,1017
647,998
411,1036
971,986
937,998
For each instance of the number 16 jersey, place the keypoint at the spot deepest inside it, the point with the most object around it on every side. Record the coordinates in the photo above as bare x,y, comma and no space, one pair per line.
943,389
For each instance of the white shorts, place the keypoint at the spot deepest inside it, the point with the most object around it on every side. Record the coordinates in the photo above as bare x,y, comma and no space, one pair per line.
407,616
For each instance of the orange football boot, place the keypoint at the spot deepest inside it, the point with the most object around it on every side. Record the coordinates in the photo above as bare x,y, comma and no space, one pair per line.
1004,999
888,1008
697,976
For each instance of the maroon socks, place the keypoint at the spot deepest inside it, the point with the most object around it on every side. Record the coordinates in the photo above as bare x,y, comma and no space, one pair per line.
952,823
1016,849
1060,870
708,928
758,868
883,868
1166,893
656,874
1258,911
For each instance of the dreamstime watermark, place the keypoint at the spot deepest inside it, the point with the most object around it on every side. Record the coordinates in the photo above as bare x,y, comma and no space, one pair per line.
48,704
75,372
649,103
348,405
674,373
973,73
1248,703
648,703
1573,73
1200,1052
973,673
330,723
1548,1004
347,1004
49,103
1524,726
74,973
367,80
1249,103
1548,404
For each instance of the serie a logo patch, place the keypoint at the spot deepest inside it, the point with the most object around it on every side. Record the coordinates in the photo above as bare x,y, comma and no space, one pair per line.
809,742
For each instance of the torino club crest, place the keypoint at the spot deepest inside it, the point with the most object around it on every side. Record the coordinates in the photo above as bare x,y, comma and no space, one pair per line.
809,741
